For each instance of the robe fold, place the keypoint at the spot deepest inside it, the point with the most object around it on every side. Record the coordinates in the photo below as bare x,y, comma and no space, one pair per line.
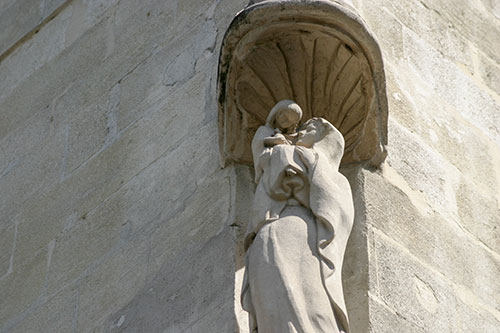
302,217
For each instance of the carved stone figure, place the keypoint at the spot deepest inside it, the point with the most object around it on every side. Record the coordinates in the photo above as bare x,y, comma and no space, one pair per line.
318,53
302,217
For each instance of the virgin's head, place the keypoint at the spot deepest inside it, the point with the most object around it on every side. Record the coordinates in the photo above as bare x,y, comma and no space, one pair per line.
285,116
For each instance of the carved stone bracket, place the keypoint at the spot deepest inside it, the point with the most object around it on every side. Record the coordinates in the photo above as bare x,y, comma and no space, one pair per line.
318,53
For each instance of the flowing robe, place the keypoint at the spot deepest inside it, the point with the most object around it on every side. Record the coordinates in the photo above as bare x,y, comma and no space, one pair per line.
291,272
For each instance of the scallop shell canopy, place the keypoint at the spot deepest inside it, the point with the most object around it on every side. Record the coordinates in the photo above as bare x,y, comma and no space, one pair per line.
322,69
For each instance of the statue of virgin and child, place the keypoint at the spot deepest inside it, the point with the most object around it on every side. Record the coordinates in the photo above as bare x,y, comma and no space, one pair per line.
301,219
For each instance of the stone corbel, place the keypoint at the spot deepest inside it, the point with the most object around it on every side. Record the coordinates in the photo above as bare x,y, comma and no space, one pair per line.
318,53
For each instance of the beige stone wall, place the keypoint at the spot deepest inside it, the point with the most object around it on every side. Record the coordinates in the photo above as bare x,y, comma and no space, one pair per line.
114,208
116,214
431,215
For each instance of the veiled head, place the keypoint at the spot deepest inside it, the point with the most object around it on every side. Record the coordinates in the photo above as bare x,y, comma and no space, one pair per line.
285,115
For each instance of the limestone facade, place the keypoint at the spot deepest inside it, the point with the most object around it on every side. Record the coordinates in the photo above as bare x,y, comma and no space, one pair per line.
116,214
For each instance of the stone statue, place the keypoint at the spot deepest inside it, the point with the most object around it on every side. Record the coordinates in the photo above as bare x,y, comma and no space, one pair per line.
302,217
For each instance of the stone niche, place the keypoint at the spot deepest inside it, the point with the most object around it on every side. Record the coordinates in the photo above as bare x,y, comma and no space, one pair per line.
319,54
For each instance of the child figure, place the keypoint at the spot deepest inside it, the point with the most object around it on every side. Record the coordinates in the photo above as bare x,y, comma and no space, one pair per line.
280,128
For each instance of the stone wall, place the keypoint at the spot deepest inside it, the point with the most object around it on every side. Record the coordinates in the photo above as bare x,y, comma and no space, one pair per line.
114,207
116,214
431,215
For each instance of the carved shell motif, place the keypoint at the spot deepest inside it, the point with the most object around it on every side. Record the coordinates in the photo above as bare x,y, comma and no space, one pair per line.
320,72
319,65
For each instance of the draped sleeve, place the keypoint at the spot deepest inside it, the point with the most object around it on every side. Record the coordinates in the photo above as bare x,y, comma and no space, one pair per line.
259,150
332,205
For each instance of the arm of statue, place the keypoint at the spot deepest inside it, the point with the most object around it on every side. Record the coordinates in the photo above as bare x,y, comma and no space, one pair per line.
277,139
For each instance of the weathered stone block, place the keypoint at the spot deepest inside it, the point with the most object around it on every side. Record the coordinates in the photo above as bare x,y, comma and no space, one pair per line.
158,193
23,141
21,17
384,24
446,133
389,19
34,52
84,15
81,60
55,315
424,170
440,243
186,291
86,242
137,98
451,85
33,174
85,53
5,4
473,315
7,239
87,134
489,71
21,288
222,14
479,214
50,6
403,107
87,187
413,290
112,283
220,318
385,320
171,224
475,21
425,297
91,84
34,93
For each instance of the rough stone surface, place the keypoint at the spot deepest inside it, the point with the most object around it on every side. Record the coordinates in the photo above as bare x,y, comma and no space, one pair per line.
22,288
56,314
115,214
108,155
438,242
7,239
430,214
178,297
31,175
19,18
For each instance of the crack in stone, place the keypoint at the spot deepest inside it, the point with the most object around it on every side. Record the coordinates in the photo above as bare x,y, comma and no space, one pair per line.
33,31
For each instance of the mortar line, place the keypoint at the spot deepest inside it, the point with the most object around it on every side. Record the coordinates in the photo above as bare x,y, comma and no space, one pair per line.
33,31
430,268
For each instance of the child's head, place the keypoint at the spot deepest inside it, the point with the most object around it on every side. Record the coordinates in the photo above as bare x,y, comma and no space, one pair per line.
320,134
285,116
